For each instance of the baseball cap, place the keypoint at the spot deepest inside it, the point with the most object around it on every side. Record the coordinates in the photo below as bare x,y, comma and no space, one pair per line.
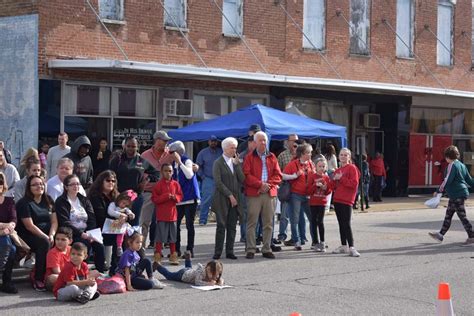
255,128
213,137
161,135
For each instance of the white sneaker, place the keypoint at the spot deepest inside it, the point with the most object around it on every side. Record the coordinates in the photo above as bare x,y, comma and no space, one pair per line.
158,285
321,247
436,236
341,249
353,252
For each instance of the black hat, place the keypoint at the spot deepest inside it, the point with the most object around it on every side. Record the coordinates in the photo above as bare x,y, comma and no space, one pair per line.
255,128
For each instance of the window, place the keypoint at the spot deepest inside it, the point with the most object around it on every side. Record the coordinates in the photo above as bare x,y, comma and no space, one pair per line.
135,102
405,28
87,100
111,10
430,121
359,27
445,33
314,24
175,14
233,10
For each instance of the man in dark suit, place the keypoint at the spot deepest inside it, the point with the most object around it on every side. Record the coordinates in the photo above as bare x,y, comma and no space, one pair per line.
228,179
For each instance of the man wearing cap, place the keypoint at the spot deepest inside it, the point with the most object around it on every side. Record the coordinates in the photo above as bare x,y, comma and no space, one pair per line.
205,160
252,130
157,155
283,159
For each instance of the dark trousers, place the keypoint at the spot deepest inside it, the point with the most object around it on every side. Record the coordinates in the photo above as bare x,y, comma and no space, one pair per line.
7,258
456,206
377,188
189,212
344,214
153,229
137,210
138,281
226,229
40,247
317,222
99,256
175,276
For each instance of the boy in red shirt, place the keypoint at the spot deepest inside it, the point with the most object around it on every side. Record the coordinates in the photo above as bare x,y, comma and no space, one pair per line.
319,184
57,256
166,194
74,281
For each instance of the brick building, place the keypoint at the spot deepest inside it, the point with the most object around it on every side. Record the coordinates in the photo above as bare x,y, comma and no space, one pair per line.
397,73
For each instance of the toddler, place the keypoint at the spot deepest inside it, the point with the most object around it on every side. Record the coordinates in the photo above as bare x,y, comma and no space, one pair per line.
211,274
166,194
120,210
58,256
319,184
131,266
74,281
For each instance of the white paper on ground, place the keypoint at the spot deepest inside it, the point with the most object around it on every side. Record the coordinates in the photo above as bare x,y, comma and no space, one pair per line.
210,287
96,234
434,201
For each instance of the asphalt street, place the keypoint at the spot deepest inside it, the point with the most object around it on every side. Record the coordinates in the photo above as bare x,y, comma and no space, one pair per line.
397,274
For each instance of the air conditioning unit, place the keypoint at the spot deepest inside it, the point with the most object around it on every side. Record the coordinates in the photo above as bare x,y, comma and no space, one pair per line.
371,120
178,107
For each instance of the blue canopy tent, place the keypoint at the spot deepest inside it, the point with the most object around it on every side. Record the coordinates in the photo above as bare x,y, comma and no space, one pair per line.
277,124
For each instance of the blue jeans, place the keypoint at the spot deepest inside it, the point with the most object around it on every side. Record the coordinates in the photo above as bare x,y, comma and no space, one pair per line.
299,205
137,210
207,191
7,258
283,220
175,276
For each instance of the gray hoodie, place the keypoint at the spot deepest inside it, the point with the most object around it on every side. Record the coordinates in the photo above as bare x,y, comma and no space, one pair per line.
82,165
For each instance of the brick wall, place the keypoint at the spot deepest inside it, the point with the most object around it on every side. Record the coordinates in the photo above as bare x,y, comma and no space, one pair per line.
69,29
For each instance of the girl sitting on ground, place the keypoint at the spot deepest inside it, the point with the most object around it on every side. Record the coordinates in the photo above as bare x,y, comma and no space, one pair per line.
211,274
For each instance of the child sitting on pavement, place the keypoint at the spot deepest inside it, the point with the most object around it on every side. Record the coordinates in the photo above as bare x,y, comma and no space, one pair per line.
74,281
58,256
211,274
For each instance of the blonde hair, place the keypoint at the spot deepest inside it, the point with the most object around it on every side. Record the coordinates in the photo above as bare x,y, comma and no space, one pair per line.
5,184
347,150
30,153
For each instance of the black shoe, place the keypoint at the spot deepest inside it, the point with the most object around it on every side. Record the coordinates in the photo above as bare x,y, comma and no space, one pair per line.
216,256
289,243
276,241
257,250
250,255
231,256
8,288
268,255
83,298
96,296
275,248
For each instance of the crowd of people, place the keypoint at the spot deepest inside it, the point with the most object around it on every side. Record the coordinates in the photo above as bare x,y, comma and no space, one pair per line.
65,193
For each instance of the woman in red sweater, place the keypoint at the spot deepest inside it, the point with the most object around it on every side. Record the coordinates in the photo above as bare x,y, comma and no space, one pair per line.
345,182
298,172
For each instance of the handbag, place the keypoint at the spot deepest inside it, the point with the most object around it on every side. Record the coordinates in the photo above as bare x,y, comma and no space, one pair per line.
112,285
284,191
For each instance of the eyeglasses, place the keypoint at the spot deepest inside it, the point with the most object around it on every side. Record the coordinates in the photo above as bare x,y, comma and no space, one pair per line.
37,185
73,184
110,180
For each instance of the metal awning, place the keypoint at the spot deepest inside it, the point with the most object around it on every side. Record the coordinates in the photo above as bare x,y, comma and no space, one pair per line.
217,74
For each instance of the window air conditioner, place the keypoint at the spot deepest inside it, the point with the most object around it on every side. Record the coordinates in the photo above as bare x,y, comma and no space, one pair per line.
371,120
178,107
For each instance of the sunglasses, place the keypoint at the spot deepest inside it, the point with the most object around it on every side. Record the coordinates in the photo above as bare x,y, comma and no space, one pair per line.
111,180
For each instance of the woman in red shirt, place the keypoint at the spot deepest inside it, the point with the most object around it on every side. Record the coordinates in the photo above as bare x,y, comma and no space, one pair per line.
345,182
299,172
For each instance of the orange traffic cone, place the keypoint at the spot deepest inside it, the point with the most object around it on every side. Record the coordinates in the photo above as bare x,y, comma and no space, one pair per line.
444,306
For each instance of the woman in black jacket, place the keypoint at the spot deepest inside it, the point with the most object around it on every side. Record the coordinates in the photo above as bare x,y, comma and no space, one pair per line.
75,211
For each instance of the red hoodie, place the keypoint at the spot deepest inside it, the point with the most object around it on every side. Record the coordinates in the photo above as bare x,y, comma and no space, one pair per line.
377,167
300,185
165,206
345,189
319,196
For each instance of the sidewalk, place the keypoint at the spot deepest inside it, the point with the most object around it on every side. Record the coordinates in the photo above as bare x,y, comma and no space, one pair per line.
411,202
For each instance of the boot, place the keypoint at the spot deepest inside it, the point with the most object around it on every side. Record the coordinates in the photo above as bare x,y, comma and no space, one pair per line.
157,260
174,259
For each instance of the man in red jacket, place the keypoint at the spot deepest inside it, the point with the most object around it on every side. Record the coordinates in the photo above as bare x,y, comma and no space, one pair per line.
262,177
377,169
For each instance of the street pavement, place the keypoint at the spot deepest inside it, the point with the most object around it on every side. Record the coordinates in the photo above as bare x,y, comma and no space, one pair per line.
397,274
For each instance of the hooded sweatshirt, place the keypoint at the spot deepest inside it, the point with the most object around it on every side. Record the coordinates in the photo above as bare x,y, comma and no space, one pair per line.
83,168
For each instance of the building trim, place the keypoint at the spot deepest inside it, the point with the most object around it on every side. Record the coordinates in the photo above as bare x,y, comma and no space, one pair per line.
252,77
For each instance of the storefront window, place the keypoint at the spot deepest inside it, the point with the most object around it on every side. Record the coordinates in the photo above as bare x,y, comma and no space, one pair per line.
430,121
242,102
94,127
335,112
463,122
87,100
210,106
308,107
135,102
141,129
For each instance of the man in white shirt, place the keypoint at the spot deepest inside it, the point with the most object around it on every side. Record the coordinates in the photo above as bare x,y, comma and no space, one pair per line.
57,152
54,186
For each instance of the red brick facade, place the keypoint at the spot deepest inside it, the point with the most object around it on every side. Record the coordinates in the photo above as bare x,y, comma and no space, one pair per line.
69,29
